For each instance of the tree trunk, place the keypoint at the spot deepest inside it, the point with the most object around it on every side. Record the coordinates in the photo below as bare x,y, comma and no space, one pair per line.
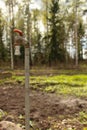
11,34
76,35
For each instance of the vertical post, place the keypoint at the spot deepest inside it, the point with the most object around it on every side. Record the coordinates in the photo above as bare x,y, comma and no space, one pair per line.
27,105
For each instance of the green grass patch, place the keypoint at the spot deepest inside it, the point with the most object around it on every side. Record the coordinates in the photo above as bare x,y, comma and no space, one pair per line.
60,84
83,117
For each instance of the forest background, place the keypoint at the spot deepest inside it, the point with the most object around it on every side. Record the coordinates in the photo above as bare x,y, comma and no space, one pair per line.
56,31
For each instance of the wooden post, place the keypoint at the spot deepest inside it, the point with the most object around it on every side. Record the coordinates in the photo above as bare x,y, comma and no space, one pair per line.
27,101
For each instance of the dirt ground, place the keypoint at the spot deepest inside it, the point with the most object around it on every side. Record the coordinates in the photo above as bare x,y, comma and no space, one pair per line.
46,109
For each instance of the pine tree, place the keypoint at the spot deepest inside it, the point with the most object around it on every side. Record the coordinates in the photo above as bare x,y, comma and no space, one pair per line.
57,33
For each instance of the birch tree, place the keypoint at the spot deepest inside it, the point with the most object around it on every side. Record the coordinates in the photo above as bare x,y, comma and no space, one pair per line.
10,8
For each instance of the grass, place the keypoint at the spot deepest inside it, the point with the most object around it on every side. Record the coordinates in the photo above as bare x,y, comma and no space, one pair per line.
62,84
65,84
82,117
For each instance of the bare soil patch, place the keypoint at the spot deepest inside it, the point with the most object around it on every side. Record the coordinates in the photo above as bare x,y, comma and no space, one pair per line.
46,109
